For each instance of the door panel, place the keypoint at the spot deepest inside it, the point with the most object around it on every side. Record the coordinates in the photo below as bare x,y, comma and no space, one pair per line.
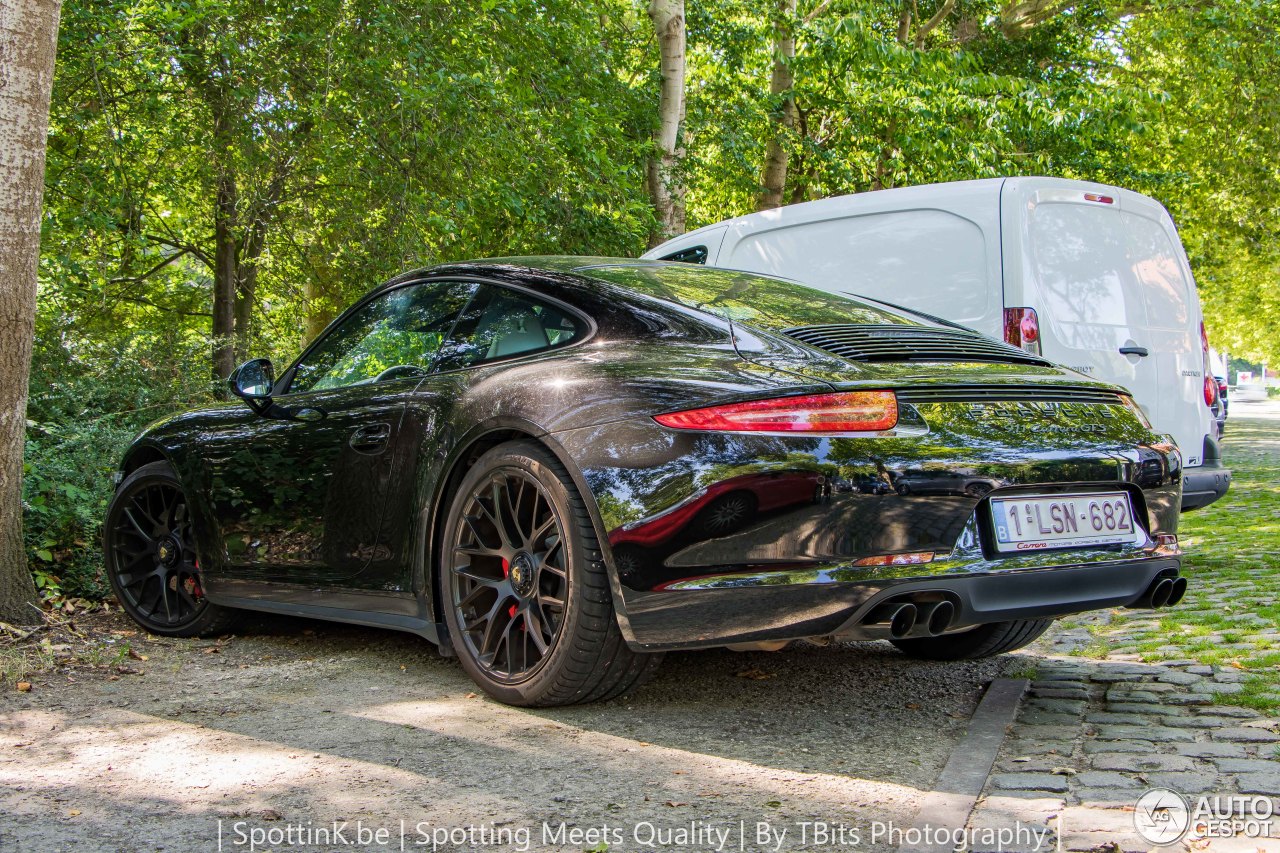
303,500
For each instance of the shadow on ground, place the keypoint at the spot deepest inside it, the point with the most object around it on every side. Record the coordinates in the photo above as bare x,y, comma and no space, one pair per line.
295,723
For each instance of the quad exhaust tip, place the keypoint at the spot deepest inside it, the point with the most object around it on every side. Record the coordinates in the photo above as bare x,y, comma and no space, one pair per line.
905,619
940,617
1164,592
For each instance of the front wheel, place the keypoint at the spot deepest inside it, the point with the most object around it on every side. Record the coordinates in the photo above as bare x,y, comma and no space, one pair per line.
982,642
525,591
149,546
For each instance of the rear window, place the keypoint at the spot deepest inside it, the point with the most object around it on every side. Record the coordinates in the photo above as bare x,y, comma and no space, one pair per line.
767,303
1102,267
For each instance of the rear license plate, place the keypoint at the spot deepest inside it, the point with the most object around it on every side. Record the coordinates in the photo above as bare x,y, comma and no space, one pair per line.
1037,522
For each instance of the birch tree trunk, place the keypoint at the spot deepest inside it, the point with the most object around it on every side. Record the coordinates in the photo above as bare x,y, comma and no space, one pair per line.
665,190
773,179
28,43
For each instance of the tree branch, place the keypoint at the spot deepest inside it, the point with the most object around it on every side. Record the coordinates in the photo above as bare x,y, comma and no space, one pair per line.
817,10
142,300
1019,16
182,247
938,17
138,279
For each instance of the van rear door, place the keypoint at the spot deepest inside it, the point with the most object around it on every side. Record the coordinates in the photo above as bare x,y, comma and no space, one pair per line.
1103,269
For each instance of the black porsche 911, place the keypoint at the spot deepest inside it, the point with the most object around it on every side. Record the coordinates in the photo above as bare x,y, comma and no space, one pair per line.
558,468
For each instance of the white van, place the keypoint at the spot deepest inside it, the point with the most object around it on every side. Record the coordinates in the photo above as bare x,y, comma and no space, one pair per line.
1090,276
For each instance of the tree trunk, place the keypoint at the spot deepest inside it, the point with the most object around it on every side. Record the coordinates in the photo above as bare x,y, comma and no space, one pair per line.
247,260
319,314
665,190
773,180
225,284
28,44
247,287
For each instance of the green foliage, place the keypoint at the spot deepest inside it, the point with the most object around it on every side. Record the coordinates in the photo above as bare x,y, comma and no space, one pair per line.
87,403
337,142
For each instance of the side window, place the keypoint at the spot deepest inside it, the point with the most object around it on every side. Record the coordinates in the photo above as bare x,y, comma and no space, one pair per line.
500,323
396,334
692,255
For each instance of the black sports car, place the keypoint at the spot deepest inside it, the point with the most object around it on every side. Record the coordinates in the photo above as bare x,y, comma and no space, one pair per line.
557,468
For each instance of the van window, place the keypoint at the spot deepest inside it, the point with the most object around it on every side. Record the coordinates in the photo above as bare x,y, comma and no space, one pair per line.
691,255
928,260
1158,267
1102,267
1081,263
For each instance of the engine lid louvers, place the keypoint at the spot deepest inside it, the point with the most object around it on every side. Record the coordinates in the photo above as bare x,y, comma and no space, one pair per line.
909,343
1009,394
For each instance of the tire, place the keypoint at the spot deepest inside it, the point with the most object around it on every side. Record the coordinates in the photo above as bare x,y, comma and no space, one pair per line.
978,490
982,642
524,588
150,558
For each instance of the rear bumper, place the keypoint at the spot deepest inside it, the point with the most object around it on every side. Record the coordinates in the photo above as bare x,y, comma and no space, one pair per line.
808,604
1204,484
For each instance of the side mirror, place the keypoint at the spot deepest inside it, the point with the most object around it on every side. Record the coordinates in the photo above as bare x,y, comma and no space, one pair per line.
252,382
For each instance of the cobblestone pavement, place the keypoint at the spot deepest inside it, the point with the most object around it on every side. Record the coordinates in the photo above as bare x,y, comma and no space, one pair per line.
1094,735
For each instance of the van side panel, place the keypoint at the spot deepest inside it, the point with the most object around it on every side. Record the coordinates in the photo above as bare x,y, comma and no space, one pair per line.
938,253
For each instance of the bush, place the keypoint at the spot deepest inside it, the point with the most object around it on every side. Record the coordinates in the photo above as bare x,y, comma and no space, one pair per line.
87,403
66,486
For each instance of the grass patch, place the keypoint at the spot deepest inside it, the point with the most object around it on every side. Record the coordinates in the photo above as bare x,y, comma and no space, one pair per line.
1259,693
1233,564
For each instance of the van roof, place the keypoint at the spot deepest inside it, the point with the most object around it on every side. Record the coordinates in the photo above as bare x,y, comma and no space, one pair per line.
870,202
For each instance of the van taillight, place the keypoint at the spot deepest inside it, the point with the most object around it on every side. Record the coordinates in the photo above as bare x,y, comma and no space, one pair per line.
1210,384
1100,199
1022,329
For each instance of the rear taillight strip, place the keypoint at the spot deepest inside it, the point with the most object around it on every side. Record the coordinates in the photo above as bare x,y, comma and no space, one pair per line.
821,414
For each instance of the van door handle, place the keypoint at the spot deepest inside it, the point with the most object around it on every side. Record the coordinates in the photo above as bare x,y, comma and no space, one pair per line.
1138,351
370,438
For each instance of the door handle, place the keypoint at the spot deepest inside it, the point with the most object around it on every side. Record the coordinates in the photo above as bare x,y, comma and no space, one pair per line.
1138,351
370,438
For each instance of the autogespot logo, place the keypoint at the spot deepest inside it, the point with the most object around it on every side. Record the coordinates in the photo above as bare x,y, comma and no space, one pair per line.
1162,816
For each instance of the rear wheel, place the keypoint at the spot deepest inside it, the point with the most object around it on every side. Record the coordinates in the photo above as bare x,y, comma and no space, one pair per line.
151,563
525,590
981,642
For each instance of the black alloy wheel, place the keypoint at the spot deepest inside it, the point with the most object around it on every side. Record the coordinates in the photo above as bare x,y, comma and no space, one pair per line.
151,560
978,490
510,577
526,596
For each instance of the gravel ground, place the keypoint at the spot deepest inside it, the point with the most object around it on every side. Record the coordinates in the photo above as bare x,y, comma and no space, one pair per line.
298,724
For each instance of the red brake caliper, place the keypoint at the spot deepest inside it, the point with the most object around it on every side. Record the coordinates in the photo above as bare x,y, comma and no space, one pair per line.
506,572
